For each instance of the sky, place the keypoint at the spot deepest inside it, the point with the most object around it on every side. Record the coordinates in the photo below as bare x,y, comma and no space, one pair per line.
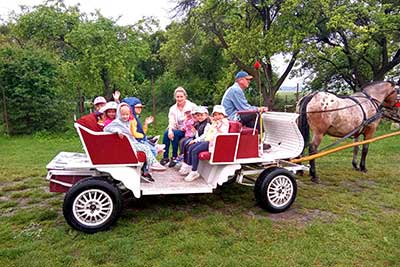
129,11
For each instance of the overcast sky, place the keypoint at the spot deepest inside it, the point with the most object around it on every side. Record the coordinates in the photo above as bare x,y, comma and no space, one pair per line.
129,11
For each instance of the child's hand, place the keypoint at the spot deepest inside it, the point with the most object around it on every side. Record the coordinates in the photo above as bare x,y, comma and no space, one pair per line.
120,135
149,120
116,96
192,142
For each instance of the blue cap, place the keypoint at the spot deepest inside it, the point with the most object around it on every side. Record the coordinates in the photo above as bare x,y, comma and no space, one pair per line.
243,74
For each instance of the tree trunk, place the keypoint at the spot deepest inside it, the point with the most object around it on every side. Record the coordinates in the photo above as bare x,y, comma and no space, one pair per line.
105,77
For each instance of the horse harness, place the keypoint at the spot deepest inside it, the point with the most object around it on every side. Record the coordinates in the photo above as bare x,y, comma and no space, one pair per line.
366,121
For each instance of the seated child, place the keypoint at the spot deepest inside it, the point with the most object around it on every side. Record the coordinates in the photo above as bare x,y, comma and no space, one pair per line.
121,125
220,124
188,128
201,121
137,130
109,112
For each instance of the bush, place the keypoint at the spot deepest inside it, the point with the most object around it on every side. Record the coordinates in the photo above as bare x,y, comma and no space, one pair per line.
29,79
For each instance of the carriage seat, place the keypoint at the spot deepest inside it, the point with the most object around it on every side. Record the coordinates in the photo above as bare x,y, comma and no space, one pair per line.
104,148
234,127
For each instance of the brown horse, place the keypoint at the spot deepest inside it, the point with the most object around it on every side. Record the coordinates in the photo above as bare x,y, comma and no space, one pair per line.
344,116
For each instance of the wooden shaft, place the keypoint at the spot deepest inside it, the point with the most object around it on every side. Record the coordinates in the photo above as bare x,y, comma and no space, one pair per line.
330,151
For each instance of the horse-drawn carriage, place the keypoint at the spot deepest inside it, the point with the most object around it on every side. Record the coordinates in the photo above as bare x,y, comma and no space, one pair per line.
94,181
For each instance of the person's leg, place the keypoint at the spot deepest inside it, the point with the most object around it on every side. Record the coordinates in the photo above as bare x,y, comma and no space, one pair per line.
178,135
189,154
202,146
166,142
183,142
249,120
194,174
152,148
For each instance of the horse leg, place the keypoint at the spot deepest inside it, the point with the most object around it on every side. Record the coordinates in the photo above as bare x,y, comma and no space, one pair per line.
312,150
355,154
364,157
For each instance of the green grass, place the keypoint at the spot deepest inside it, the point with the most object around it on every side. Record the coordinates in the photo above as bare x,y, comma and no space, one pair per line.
350,219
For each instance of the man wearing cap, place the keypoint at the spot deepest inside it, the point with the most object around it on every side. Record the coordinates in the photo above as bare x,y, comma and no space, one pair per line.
234,100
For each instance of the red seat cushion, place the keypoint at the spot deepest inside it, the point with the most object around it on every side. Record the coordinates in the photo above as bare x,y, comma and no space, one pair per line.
141,156
248,131
235,126
205,155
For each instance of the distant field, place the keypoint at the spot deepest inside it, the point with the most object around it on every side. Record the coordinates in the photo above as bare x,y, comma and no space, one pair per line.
350,219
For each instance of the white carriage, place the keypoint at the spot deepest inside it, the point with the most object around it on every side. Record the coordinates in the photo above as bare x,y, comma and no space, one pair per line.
94,180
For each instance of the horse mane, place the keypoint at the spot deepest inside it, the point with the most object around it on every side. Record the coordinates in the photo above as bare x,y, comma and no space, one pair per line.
376,83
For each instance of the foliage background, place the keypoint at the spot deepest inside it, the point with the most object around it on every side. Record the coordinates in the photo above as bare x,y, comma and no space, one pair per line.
341,45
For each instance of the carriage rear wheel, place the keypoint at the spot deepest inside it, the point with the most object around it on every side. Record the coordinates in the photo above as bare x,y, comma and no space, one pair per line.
275,190
92,205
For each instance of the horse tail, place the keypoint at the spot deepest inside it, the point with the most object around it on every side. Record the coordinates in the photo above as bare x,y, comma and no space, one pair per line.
303,122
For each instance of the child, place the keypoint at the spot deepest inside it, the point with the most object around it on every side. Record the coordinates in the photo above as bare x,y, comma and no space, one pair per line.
137,130
201,121
188,128
121,126
109,112
220,124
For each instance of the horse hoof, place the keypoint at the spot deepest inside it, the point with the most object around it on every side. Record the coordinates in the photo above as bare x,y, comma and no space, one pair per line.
364,170
315,180
356,168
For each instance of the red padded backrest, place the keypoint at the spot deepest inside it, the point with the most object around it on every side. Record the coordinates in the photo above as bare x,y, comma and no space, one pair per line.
106,149
225,148
235,126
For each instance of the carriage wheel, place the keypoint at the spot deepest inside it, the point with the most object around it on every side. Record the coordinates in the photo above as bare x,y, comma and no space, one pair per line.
92,205
275,190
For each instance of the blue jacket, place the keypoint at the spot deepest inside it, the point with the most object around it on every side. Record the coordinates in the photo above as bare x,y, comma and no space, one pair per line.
234,100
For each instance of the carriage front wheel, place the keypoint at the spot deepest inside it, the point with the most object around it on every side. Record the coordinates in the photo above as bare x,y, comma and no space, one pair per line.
92,205
275,190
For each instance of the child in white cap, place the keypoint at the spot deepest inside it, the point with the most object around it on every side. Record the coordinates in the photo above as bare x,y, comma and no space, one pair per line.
109,112
220,125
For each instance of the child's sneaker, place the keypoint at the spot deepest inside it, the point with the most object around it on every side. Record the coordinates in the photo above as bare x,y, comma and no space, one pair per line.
179,158
193,175
147,177
156,166
164,161
172,162
185,169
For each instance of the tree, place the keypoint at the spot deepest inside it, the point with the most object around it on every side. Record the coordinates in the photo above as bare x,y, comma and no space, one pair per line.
97,55
357,42
249,30
194,59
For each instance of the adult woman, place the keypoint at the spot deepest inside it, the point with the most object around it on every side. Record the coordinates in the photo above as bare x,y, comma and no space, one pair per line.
174,132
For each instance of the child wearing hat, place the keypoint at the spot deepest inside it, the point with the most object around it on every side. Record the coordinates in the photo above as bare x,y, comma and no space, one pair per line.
121,126
137,129
109,112
220,125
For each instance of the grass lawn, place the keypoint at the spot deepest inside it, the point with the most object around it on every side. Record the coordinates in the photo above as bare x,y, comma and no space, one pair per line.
350,219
